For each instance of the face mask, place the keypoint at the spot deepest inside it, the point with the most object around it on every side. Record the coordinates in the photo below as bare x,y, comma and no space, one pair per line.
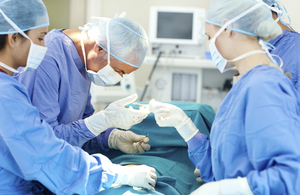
36,52
107,76
221,63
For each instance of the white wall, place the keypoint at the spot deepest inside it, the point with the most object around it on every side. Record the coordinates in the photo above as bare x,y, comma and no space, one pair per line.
292,7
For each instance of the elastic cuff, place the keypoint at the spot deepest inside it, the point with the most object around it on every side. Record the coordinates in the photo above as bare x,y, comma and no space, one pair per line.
244,183
195,140
188,130
112,139
103,139
87,133
119,170
96,123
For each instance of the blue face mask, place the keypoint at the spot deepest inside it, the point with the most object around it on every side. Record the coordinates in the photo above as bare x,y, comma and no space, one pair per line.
106,76
221,63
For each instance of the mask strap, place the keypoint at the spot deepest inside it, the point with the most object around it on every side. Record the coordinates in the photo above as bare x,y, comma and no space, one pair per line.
246,55
8,67
83,49
281,62
108,43
266,46
14,25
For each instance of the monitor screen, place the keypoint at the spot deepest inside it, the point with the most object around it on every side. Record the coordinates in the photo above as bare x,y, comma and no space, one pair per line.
174,25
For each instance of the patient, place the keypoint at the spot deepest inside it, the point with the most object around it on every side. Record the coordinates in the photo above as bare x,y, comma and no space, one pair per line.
168,154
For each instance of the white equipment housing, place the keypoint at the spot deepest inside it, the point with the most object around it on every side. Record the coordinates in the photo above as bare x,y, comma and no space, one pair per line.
109,94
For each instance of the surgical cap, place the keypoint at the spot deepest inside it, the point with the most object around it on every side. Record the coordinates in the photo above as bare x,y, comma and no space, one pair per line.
26,14
269,2
282,13
257,23
128,40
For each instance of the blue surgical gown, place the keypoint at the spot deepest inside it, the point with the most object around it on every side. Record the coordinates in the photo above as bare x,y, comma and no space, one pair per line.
287,47
60,89
29,150
255,134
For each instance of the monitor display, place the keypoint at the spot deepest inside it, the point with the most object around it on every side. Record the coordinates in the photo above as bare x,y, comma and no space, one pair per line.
174,25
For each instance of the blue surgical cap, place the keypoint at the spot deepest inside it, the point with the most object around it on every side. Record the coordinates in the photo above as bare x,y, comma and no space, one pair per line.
269,2
257,23
128,40
26,14
284,13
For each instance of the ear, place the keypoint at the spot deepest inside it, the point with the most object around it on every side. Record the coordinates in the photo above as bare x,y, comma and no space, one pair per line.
229,32
274,15
12,39
97,48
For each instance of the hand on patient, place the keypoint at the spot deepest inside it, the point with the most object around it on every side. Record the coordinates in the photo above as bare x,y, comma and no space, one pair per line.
197,174
168,115
128,142
138,176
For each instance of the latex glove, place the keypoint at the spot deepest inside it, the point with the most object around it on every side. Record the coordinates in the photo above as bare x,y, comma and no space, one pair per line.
116,115
168,115
197,174
238,186
138,176
128,142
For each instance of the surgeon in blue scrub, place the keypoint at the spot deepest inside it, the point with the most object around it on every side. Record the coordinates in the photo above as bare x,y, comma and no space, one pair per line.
29,149
254,142
287,44
60,88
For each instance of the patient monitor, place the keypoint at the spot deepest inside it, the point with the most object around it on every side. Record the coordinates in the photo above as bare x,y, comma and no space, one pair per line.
178,31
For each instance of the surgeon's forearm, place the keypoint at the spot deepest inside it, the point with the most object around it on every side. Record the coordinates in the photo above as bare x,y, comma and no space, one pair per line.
196,139
75,133
98,144
199,151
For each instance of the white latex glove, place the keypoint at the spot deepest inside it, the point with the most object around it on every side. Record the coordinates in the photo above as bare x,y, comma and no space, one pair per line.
116,115
238,186
168,115
197,174
128,142
138,176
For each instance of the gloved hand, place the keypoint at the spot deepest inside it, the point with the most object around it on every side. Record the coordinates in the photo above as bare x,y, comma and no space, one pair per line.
116,115
238,186
168,115
197,174
138,176
128,142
